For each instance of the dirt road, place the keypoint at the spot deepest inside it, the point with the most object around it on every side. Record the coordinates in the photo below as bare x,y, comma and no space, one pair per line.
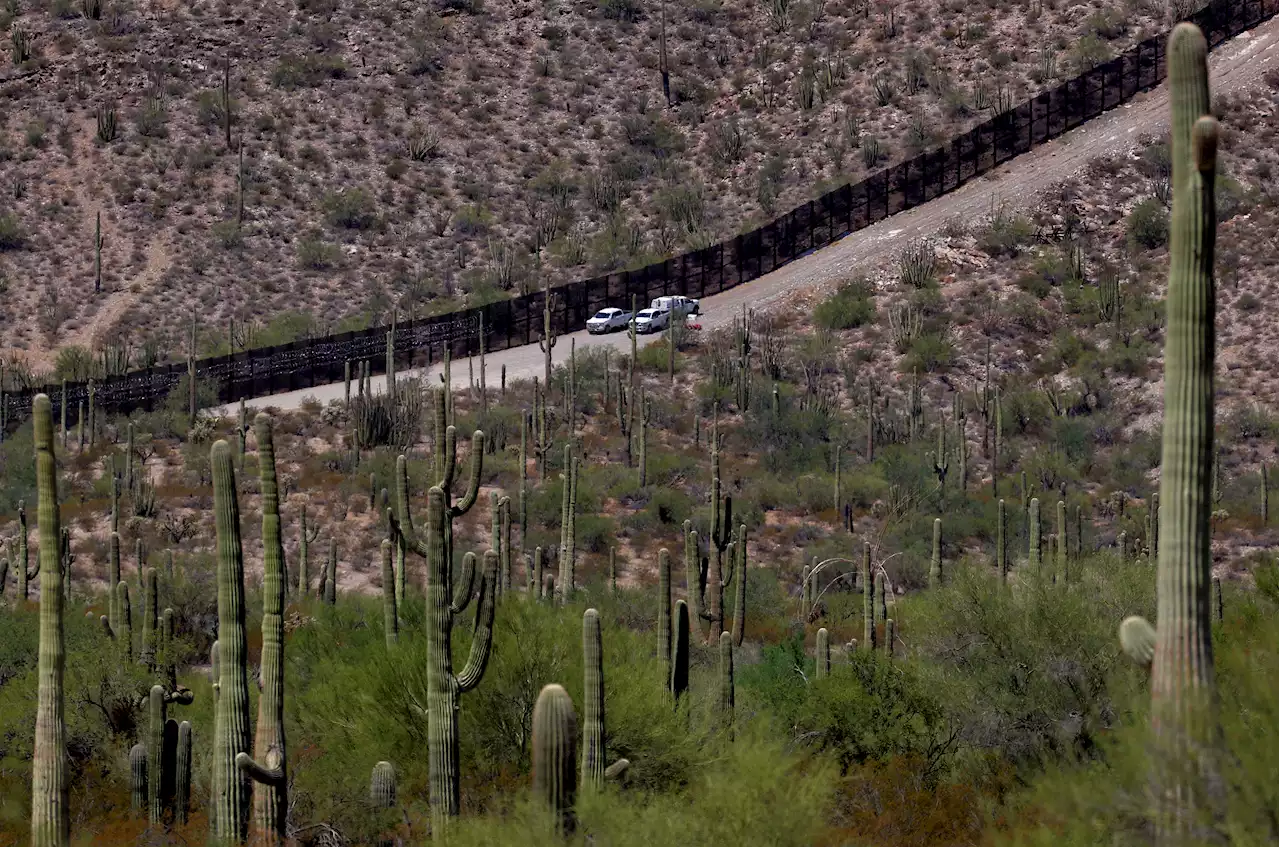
1236,64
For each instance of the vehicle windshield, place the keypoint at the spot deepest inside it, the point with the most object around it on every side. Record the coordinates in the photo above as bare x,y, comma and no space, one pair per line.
647,313
605,314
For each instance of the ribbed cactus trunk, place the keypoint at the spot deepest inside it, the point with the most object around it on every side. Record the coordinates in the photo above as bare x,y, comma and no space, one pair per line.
331,574
138,779
24,575
664,617
155,754
695,577
150,618
267,767
740,601
113,580
593,731
721,536
182,775
1183,716
50,817
390,623
230,790
680,653
555,751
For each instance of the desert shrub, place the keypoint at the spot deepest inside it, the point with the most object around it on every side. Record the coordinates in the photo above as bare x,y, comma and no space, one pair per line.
1148,224
308,71
351,209
1005,234
849,307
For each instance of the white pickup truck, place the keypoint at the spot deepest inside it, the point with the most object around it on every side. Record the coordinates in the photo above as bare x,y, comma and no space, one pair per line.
677,305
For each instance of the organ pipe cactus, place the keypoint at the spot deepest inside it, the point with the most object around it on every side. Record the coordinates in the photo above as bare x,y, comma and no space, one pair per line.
1179,648
50,818
267,767
822,654
592,702
445,599
680,653
555,749
390,624
229,787
935,560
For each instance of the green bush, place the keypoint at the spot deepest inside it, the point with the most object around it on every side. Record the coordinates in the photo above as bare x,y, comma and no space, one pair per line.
1148,224
849,307
11,234
352,209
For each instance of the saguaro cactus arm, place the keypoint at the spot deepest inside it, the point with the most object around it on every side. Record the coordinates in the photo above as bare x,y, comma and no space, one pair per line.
482,639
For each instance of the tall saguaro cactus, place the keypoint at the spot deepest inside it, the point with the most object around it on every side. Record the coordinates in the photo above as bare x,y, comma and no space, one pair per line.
664,616
695,576
267,767
446,465
935,560
721,536
592,702
50,817
229,789
1180,648
24,576
868,606
445,599
740,600
1033,533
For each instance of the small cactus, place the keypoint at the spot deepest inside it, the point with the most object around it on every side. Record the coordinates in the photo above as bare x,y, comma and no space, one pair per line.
555,749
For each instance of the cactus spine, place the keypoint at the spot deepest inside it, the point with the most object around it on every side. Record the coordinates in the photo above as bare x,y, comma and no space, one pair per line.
444,601
555,751
822,651
592,702
230,788
267,768
1184,719
935,560
50,817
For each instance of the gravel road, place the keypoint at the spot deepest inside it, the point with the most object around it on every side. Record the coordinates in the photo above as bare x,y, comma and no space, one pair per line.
1236,64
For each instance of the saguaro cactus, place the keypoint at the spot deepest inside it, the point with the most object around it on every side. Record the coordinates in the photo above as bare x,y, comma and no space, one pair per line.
935,560
306,535
721,535
330,584
1002,549
555,752
229,787
664,616
592,702
740,601
446,465
1179,648
50,818
1061,550
868,600
695,576
1033,533
267,767
182,774
680,653
390,623
138,779
445,599
568,526
24,576
822,654
726,680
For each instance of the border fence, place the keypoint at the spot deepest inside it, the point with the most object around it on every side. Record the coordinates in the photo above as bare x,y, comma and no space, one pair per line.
310,362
